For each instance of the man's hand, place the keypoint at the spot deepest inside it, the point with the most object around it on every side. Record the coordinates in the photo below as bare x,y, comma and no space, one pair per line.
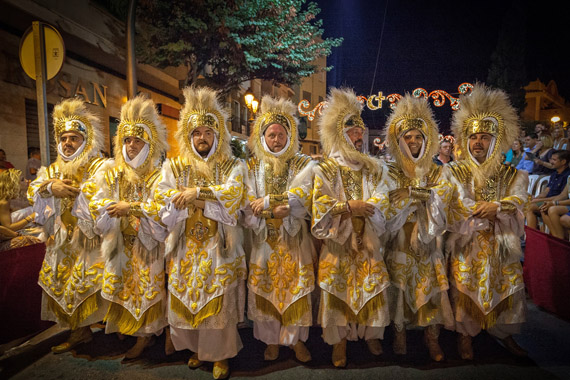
545,206
281,211
257,206
63,189
399,195
486,210
185,198
119,209
361,208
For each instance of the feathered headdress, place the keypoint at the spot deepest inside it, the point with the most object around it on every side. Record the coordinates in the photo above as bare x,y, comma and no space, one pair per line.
202,108
72,115
485,110
275,111
343,111
412,113
139,118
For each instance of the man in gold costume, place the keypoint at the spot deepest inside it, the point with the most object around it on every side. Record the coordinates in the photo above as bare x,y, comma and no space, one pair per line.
350,200
72,271
281,271
201,193
419,198
121,200
487,289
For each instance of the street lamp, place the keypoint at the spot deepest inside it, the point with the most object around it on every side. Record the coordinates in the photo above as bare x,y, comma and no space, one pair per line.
555,119
254,105
248,96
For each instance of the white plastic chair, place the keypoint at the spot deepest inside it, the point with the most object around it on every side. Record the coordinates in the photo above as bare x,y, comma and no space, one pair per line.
532,178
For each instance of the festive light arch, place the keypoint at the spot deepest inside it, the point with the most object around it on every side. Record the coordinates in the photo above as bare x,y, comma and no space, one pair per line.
374,102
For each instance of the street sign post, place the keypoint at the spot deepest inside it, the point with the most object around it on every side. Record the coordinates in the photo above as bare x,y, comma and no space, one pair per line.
41,54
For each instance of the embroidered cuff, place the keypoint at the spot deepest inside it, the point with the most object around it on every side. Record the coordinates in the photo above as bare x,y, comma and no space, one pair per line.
420,193
45,189
206,194
507,207
136,209
340,208
278,199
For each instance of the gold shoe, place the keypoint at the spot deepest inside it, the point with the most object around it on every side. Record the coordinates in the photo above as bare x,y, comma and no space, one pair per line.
399,344
431,337
513,347
301,352
168,345
465,347
142,343
221,369
339,354
271,352
78,336
194,362
374,346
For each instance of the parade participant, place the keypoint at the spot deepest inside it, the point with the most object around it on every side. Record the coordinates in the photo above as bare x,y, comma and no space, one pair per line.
72,270
485,271
349,204
122,204
12,236
281,272
419,199
200,194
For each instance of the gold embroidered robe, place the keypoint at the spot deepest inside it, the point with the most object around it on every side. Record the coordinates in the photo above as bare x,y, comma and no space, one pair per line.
352,274
414,252
485,256
205,258
72,270
133,249
281,271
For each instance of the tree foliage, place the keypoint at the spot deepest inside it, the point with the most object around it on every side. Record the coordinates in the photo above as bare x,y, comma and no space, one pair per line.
229,42
508,68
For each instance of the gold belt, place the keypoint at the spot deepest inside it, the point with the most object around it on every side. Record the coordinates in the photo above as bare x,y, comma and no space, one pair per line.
273,226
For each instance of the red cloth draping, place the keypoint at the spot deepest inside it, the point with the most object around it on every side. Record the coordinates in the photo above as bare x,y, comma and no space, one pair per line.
547,271
20,294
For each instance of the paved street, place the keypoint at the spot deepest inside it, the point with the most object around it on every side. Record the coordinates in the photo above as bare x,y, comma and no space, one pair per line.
546,337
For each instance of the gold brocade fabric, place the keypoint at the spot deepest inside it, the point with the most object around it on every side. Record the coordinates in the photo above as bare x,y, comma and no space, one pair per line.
69,274
134,278
281,271
208,260
352,272
482,270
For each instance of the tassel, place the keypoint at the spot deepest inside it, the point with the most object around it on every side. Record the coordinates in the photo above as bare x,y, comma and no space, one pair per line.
368,310
128,324
290,316
83,311
212,308
424,316
486,321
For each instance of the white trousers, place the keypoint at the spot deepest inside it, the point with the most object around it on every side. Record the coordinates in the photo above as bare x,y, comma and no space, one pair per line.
211,345
273,332
334,334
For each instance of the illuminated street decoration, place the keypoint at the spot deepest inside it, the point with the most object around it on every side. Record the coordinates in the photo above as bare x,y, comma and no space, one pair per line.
374,102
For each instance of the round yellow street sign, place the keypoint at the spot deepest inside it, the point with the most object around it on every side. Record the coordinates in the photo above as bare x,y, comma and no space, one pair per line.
55,52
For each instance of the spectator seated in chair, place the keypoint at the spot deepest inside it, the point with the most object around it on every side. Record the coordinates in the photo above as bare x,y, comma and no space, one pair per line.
541,204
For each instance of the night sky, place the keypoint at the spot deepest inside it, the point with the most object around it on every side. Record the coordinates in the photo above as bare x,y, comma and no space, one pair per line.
437,45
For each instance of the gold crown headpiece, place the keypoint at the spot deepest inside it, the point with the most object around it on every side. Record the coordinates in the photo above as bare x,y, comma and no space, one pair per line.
203,118
406,123
488,122
349,120
136,128
72,123
276,118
